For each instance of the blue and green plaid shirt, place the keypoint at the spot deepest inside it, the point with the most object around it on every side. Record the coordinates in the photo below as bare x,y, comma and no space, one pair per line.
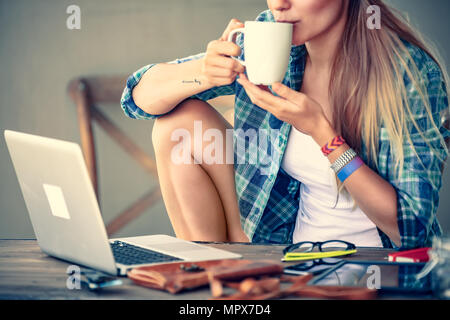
269,198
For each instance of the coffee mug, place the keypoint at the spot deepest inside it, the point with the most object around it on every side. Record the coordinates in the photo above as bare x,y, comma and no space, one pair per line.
267,47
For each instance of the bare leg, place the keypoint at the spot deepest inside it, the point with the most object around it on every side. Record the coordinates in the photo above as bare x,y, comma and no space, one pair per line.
200,198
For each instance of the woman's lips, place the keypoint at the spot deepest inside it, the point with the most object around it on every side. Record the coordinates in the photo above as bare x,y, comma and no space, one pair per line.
291,22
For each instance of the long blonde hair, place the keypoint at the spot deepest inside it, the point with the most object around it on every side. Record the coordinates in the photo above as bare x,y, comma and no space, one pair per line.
367,87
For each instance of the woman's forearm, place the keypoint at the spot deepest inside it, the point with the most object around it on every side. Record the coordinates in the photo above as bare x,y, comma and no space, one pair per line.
375,196
165,85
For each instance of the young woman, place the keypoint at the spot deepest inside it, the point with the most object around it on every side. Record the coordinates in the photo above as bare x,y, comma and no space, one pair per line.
357,133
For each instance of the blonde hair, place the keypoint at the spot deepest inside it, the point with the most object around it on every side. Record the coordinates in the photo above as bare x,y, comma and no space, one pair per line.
367,87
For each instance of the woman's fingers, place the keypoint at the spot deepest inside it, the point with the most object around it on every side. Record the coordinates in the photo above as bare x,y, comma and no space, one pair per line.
221,72
224,48
256,93
217,65
287,93
225,63
233,24
262,97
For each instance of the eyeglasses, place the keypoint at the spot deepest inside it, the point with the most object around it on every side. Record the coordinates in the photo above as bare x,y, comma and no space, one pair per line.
304,250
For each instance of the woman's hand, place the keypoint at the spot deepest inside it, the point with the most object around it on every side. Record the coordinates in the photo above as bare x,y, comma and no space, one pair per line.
217,66
293,107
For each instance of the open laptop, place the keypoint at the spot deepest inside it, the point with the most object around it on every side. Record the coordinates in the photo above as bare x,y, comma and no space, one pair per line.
66,217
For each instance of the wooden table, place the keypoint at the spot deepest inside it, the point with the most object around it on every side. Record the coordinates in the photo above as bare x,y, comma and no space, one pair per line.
28,273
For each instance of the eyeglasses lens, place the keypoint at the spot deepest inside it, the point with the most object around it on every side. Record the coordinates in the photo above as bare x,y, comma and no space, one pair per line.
334,246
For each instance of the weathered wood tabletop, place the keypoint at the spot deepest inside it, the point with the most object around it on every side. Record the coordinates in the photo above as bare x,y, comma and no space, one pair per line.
28,273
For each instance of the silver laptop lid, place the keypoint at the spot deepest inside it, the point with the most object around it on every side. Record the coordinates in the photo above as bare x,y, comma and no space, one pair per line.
60,200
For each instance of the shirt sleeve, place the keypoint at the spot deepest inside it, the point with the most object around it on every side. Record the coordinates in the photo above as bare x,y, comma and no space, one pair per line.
420,182
130,108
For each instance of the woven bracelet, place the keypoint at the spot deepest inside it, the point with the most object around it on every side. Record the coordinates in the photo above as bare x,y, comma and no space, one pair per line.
332,145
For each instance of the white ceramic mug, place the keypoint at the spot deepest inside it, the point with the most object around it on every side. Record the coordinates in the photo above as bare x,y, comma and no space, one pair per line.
267,47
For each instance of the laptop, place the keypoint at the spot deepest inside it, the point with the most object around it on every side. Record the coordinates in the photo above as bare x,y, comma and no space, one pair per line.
66,217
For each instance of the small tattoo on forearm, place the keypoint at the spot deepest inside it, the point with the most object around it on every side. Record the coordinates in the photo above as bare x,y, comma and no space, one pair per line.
192,81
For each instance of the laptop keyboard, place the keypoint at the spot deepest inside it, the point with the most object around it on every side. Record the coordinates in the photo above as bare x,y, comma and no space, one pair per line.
128,254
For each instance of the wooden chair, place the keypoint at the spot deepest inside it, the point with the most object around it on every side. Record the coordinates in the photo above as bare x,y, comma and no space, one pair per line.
89,92
86,94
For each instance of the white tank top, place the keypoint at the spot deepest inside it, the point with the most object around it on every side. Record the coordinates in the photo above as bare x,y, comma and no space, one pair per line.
322,215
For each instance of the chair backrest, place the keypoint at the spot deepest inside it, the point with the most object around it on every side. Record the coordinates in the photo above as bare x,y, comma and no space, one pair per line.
86,94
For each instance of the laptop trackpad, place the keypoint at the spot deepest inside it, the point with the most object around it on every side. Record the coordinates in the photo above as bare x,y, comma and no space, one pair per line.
176,247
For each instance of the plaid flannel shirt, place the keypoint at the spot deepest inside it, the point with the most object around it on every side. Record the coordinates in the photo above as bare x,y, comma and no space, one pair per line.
269,198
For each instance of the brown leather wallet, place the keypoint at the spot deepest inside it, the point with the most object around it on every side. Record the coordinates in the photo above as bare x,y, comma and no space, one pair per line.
179,276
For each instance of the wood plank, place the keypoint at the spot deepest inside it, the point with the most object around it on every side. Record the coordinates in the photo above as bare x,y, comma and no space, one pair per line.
78,92
106,89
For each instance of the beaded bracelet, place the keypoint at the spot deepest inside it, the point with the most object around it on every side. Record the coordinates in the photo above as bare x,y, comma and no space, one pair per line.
349,168
332,145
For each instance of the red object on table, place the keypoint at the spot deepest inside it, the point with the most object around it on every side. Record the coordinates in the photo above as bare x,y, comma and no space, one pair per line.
415,255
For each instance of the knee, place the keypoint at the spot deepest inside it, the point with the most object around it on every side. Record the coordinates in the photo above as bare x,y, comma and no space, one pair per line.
181,117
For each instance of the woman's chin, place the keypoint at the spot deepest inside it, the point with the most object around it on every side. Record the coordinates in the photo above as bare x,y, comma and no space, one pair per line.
297,42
